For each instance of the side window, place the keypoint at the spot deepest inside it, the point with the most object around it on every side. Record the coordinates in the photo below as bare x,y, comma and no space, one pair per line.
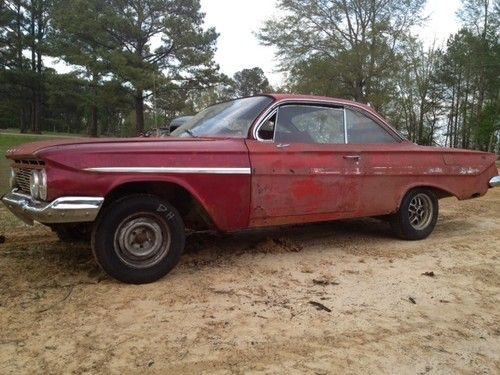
363,130
309,124
266,131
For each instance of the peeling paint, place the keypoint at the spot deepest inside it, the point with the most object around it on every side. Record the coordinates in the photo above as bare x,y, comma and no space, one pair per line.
437,170
325,171
468,171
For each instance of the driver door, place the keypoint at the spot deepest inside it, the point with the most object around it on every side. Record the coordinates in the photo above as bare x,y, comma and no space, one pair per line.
302,169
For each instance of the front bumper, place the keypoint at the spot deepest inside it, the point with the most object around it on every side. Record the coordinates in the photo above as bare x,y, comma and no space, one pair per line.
60,210
495,181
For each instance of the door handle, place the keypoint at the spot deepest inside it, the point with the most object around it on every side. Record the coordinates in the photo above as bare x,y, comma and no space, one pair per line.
352,157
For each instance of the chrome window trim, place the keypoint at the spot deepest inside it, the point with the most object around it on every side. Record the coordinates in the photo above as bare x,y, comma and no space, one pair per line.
332,103
276,124
346,137
173,170
298,104
271,114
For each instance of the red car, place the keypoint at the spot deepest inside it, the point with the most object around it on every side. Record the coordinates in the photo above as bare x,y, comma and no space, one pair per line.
251,162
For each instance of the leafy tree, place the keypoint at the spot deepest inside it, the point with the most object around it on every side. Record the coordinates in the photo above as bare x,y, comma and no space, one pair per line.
342,47
145,43
470,73
38,26
74,41
248,82
23,29
416,104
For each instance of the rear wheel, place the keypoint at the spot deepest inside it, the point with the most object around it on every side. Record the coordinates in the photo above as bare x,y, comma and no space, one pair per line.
138,239
417,215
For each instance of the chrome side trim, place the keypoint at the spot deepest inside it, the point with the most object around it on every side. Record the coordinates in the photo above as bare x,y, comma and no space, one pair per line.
186,170
495,181
61,210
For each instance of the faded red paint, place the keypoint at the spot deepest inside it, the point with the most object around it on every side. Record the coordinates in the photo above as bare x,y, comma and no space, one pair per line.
296,184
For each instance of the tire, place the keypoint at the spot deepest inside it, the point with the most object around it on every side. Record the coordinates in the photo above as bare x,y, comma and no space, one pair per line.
417,215
79,232
138,239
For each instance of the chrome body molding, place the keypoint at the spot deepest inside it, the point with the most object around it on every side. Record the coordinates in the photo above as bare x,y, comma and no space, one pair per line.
176,170
495,181
61,210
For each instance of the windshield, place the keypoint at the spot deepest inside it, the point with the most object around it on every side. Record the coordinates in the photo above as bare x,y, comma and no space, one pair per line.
230,119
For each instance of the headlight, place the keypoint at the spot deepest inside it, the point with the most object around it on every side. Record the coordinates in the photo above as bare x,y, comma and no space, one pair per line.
42,189
34,184
38,184
12,179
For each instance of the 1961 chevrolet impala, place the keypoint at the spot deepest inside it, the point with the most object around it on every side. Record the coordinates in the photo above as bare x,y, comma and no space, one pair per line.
252,162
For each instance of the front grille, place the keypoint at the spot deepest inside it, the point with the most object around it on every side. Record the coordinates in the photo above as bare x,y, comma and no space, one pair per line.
23,180
23,170
33,162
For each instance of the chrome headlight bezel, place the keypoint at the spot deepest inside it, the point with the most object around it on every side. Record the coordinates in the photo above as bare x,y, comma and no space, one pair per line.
42,189
38,184
34,184
12,178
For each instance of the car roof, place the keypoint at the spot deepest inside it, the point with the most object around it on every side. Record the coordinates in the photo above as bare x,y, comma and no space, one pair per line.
298,97
321,98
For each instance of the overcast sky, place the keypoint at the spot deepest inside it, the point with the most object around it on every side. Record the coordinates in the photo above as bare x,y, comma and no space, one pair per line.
237,20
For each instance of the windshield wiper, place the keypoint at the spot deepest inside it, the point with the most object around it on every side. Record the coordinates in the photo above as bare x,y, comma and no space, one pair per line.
190,132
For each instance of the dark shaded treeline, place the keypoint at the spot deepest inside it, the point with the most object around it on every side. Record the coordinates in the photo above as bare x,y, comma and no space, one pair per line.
136,64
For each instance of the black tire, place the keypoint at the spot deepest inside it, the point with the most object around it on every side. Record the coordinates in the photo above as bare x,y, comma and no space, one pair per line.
79,232
134,224
415,221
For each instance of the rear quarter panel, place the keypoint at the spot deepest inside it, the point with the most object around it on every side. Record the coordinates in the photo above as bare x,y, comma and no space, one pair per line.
391,171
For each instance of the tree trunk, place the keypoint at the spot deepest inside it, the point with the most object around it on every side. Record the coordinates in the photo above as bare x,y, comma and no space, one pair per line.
139,112
94,109
465,123
34,101
420,125
93,122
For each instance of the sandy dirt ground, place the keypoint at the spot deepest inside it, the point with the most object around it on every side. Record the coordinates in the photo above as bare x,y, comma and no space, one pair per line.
330,298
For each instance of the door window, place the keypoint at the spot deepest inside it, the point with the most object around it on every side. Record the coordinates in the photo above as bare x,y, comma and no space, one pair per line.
309,124
363,130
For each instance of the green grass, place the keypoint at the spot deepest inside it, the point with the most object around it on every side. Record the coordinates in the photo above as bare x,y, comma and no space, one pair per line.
7,140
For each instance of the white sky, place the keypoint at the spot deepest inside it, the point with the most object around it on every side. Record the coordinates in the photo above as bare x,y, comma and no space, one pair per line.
237,20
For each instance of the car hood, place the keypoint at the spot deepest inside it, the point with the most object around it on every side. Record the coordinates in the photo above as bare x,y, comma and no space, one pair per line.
34,149
82,153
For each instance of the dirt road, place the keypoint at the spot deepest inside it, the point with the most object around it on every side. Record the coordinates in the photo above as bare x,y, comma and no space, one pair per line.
242,303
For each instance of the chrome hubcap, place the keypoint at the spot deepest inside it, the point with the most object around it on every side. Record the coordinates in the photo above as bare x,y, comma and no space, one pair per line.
142,240
420,211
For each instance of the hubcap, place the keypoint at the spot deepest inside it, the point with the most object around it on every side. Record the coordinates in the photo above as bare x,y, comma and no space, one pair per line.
420,211
142,240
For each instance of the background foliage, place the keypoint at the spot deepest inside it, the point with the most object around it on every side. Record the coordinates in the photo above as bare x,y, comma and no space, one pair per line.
137,64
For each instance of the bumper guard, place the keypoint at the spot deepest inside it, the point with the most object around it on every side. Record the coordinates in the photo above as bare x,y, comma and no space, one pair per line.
495,181
60,210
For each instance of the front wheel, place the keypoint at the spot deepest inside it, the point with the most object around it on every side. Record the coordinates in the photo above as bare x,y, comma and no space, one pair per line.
138,239
417,215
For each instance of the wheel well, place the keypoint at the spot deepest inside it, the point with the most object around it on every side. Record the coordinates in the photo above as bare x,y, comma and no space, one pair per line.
440,193
192,212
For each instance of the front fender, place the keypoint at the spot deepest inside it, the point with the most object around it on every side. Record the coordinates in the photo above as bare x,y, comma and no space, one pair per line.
225,198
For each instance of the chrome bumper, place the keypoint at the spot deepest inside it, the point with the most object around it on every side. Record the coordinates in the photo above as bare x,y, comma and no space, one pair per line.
495,181
61,210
